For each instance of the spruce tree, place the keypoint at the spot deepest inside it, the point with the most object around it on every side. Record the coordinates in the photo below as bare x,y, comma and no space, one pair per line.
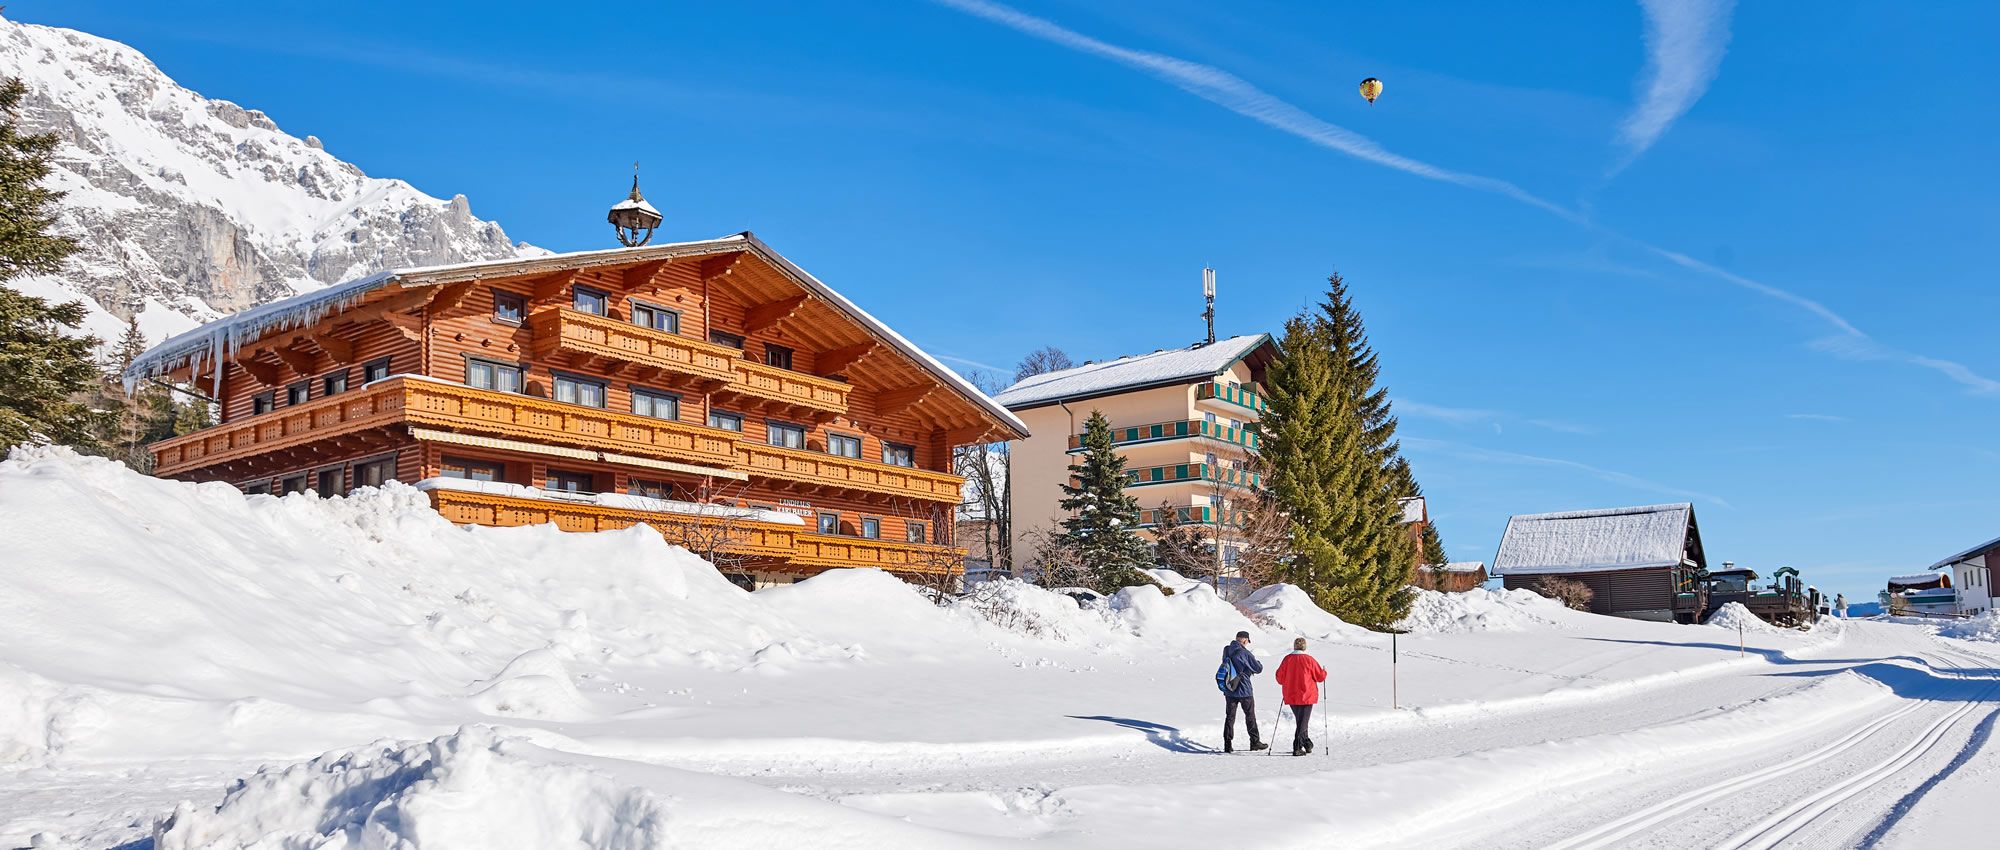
1101,531
1381,555
1328,442
44,370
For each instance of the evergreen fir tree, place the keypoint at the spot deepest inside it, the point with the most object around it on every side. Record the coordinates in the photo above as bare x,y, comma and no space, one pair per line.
1328,443
191,416
1381,555
44,370
1102,529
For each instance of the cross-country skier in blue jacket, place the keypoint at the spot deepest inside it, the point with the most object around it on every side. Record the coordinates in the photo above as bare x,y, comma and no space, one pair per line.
1237,655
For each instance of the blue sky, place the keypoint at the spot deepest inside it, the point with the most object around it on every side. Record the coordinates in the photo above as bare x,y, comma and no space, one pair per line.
1610,253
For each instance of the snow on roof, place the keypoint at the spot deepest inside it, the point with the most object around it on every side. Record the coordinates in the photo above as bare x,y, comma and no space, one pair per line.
1589,541
1983,547
226,336
1915,578
1140,370
1414,509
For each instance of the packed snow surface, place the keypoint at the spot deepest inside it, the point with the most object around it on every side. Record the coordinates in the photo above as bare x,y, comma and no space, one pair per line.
191,667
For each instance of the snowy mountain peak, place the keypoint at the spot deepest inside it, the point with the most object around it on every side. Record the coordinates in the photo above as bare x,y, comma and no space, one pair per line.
190,208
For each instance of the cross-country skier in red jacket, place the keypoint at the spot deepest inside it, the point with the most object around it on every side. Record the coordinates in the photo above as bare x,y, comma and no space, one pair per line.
1300,675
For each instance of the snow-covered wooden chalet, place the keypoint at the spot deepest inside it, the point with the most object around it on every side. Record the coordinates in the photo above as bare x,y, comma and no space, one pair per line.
1633,559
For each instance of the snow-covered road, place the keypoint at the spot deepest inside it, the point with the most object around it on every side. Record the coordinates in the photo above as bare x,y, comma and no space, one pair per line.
1833,748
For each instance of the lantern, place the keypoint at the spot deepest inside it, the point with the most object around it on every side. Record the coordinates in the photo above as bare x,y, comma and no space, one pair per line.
633,218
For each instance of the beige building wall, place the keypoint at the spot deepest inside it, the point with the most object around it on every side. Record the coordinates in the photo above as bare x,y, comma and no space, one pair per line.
1039,465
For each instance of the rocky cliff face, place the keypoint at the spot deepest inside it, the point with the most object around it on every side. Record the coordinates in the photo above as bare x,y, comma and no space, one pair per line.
191,208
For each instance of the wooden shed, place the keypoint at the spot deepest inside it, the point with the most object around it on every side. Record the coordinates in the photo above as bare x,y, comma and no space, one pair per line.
1632,559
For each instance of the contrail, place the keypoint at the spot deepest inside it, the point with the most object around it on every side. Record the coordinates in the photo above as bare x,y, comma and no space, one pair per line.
1516,458
1685,40
1236,95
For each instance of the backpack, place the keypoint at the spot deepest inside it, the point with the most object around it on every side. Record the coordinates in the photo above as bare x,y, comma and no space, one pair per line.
1226,677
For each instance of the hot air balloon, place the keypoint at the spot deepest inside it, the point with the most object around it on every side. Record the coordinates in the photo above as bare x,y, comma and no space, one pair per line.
1371,88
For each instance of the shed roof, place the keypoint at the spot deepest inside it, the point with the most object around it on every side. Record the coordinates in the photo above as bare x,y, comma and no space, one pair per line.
1598,540
1160,368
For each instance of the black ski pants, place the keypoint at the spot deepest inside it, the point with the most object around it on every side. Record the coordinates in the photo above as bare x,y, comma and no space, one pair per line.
1301,740
1249,706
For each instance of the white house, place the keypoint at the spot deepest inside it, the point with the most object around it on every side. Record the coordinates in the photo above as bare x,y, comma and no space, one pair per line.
1972,574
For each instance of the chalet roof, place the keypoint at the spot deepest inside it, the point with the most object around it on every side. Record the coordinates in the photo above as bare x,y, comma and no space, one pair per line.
1457,567
1140,371
224,337
1988,546
1591,541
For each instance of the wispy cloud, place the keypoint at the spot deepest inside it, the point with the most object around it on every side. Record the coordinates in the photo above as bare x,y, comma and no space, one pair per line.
1816,417
1233,93
1685,41
1477,454
1454,415
1469,416
973,363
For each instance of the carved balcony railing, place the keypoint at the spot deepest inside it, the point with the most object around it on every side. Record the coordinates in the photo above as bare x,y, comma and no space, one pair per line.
827,550
813,396
846,473
415,400
463,408
597,336
284,428
742,536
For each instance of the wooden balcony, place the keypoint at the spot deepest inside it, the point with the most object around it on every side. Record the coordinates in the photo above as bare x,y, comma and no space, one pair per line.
1200,472
1178,430
827,550
412,400
462,408
807,396
1238,395
285,428
1194,515
591,335
749,537
838,472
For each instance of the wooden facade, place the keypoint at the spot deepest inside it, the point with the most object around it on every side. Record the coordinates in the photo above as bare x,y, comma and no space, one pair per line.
705,373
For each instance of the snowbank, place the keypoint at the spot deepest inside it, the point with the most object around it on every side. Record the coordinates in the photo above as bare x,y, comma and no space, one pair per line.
1734,615
262,621
1483,610
467,789
1286,608
1985,627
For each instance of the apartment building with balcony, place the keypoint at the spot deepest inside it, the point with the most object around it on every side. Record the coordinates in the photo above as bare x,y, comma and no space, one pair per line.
1181,419
709,389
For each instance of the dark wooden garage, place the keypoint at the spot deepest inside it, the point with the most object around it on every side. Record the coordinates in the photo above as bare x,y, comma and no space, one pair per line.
1632,559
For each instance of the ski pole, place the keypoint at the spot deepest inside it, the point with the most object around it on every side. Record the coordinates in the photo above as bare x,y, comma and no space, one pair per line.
1277,720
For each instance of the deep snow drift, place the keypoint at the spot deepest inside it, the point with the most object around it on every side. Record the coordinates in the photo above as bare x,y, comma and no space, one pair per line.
363,672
